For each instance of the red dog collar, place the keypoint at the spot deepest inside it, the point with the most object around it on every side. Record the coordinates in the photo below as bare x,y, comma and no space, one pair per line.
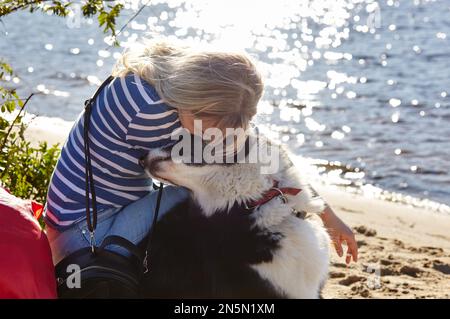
273,192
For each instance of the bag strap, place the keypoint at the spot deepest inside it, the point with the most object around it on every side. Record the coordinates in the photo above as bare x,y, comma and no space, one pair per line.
92,223
152,229
124,243
89,178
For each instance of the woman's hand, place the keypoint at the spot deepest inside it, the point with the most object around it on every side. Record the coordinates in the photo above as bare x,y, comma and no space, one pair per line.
340,233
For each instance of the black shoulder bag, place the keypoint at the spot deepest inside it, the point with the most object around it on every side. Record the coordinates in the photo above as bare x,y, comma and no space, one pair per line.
95,271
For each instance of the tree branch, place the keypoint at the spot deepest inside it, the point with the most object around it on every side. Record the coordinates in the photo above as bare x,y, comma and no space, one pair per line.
23,6
14,121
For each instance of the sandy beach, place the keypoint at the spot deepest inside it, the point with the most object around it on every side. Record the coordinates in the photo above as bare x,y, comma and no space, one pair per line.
404,250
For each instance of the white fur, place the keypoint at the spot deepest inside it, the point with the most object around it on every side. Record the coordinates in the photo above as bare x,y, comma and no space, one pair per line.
300,266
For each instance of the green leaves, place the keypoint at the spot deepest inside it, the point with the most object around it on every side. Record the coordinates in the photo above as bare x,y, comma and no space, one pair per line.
8,97
4,67
91,8
58,8
107,13
108,18
25,170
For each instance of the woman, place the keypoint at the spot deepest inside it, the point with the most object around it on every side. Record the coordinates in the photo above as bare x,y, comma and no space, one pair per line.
158,88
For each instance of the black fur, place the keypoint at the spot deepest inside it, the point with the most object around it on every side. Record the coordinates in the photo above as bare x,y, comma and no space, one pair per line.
193,256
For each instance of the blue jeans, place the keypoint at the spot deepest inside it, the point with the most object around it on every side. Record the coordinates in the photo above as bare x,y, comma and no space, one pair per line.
132,222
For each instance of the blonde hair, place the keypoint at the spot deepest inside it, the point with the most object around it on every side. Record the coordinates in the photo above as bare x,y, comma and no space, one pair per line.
223,87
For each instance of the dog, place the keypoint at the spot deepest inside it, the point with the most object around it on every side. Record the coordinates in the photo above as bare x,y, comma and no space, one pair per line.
240,234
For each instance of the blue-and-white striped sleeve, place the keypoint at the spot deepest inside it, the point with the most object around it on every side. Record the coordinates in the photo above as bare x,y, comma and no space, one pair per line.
128,119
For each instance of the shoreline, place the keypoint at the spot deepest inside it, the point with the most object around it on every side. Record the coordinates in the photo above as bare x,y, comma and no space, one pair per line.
52,130
55,130
405,248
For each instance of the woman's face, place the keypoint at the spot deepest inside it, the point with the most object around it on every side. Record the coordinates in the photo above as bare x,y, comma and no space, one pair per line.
187,121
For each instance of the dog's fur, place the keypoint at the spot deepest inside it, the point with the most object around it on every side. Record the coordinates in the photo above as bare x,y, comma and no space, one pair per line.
212,246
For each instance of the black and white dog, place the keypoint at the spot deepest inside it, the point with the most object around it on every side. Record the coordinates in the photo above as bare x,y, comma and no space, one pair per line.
234,237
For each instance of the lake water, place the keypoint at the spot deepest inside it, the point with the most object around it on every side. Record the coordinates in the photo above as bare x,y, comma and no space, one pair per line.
360,87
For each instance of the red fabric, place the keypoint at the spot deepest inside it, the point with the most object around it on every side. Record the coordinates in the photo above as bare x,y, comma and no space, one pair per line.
37,209
26,267
274,192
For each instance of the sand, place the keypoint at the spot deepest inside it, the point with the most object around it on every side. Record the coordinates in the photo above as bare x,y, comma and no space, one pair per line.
404,252
50,130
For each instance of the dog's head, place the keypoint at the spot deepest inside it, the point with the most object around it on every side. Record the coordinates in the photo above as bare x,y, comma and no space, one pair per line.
216,178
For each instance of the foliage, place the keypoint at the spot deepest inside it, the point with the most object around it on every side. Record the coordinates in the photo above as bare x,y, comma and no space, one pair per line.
25,170
106,11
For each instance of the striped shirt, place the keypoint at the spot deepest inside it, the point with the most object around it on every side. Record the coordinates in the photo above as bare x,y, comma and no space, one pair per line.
128,119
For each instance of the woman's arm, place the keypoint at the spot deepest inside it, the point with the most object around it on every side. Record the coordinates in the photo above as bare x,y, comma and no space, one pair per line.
340,233
336,228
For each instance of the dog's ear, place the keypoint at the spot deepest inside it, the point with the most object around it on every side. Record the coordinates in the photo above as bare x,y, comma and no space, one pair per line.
142,161
308,200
